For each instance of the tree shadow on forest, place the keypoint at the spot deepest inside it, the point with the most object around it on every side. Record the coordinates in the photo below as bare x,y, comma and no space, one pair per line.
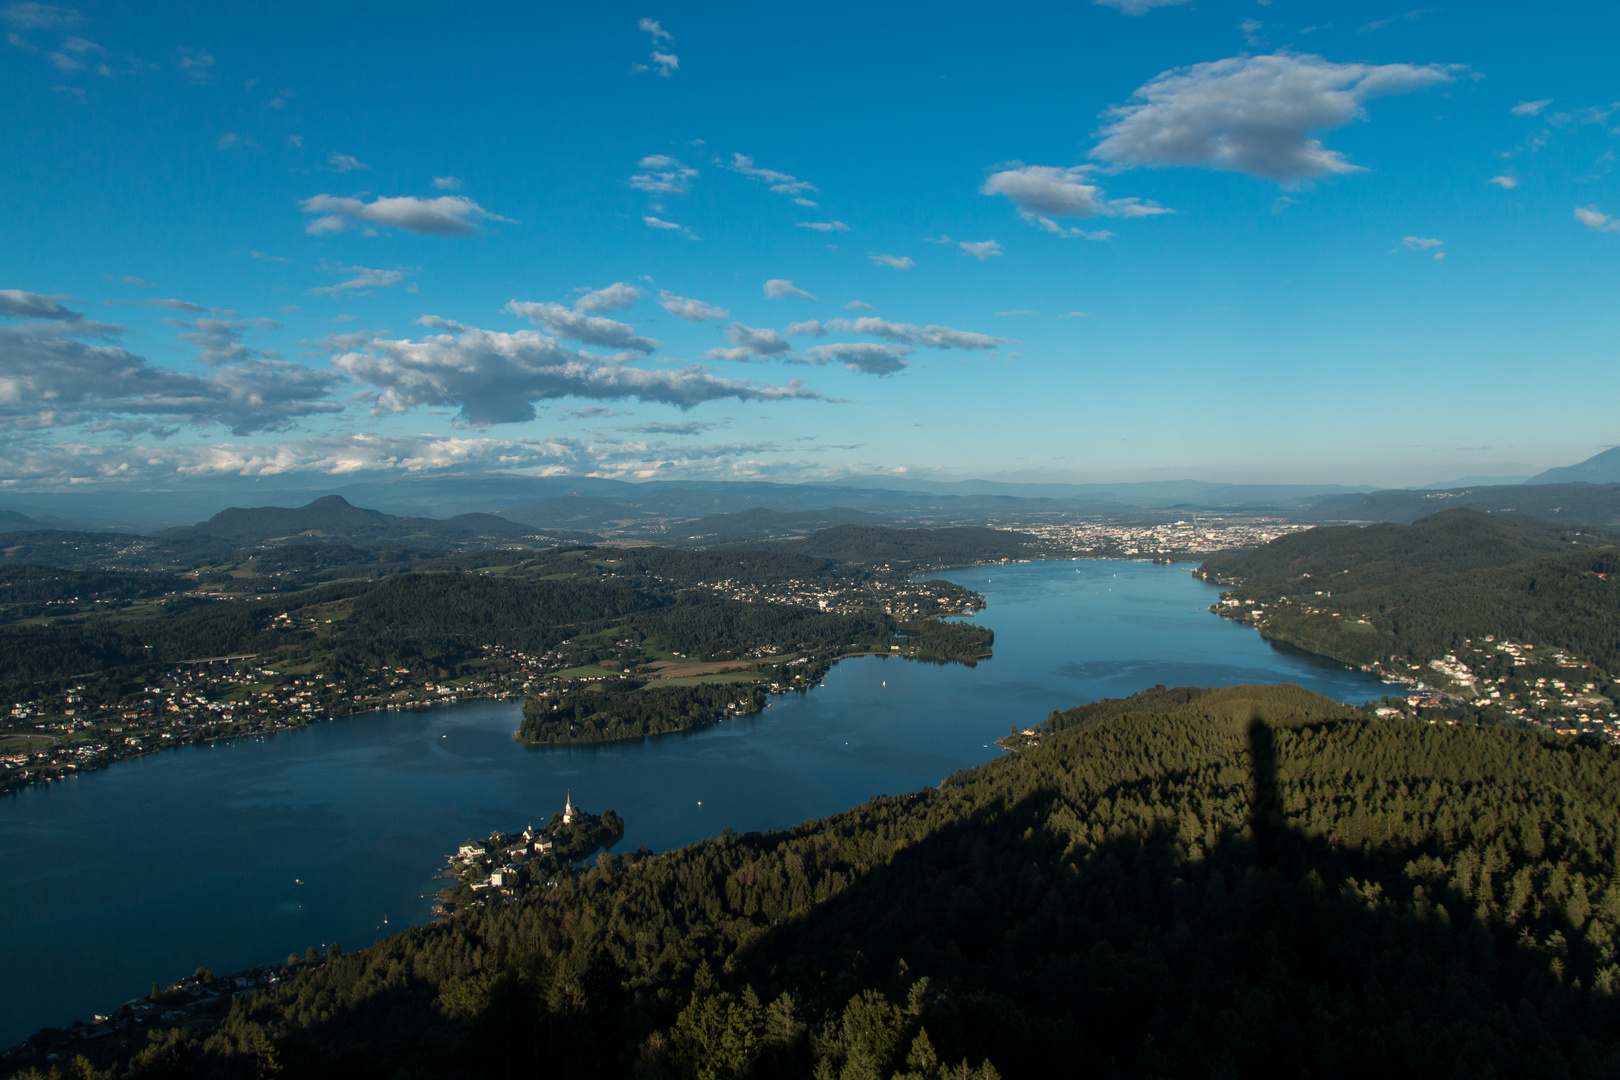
1272,952
1019,934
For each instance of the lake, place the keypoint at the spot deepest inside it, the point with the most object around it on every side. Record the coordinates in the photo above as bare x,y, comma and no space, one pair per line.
193,857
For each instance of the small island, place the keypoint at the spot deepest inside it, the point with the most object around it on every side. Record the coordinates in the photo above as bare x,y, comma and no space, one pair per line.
504,865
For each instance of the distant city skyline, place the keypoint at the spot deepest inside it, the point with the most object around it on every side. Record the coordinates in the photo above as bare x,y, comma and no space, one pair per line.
1285,242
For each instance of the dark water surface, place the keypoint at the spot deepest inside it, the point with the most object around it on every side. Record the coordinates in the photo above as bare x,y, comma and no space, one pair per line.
189,857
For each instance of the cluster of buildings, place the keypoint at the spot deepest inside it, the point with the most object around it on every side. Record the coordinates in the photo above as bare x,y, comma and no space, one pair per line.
895,594
1182,538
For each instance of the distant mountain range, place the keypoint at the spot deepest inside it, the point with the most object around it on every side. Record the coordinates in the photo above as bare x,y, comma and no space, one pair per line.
1601,468
1575,504
335,518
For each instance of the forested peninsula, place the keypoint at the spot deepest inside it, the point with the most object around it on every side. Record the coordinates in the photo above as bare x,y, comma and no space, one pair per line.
1492,617
1231,882
99,663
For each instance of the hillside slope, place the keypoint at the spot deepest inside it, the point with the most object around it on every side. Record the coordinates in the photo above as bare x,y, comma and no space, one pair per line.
1243,882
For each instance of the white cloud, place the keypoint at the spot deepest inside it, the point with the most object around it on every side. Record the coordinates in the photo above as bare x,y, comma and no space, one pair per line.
899,262
219,341
362,277
813,328
33,16
194,64
663,175
611,298
447,183
1419,243
824,226
934,337
446,215
858,305
980,249
778,288
345,163
262,255
591,329
1138,7
130,281
684,307
780,182
1596,220
1253,114
51,377
668,226
28,305
666,62
750,343
1043,192
84,464
1530,108
496,378
861,356
172,304
1506,182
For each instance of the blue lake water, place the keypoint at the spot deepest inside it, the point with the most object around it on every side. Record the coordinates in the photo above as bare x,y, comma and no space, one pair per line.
189,858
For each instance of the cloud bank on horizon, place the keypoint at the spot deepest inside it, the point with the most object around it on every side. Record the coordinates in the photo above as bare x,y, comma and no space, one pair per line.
317,275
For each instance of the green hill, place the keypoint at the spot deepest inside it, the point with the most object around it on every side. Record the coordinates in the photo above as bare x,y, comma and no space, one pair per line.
1361,594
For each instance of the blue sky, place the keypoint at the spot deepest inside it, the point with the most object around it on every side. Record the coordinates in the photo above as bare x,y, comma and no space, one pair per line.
1272,242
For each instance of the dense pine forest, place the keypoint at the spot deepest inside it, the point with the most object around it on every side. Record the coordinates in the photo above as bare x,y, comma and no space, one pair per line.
1253,881
1362,594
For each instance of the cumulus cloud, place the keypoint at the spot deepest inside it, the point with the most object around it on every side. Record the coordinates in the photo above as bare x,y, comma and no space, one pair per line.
1530,108
577,326
1044,192
1506,182
813,328
345,163
666,62
663,175
779,288
219,341
447,183
611,298
496,378
824,226
899,262
684,307
362,278
1253,114
780,182
82,464
446,215
52,376
750,343
1596,220
28,305
861,356
1138,7
980,249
